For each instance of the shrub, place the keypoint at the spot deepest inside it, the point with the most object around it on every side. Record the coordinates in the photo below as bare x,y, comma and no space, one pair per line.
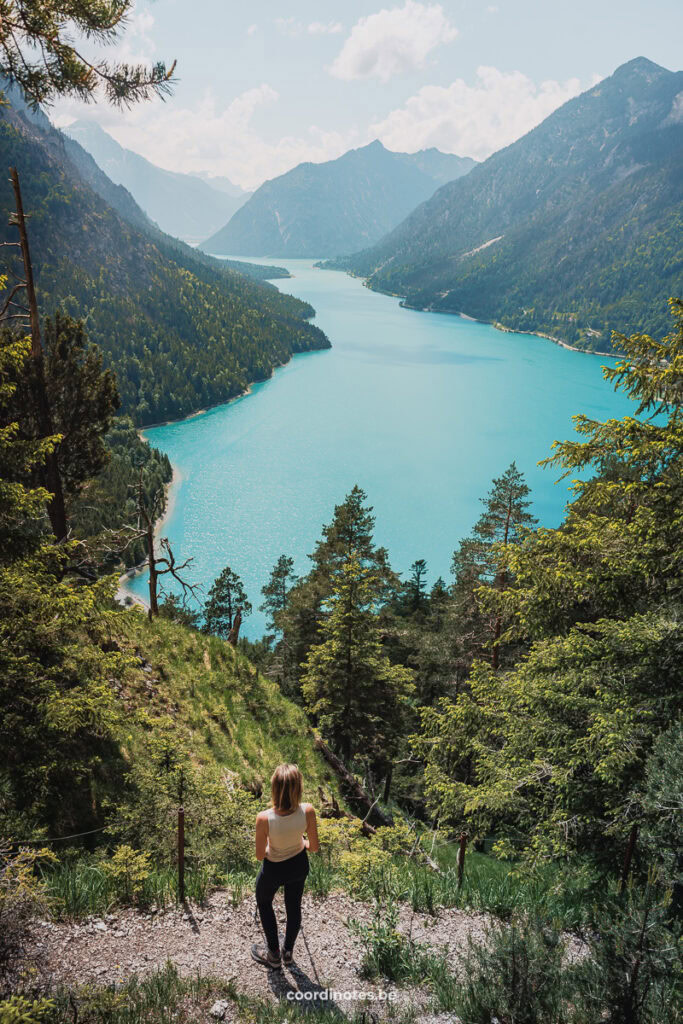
367,871
128,869
387,953
634,972
22,896
516,975
19,1010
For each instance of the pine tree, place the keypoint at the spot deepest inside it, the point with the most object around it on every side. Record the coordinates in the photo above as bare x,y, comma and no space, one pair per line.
415,588
83,398
358,698
477,564
226,597
276,590
350,534
37,51
22,507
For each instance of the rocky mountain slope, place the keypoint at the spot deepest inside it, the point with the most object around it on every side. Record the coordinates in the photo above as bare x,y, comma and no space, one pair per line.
573,230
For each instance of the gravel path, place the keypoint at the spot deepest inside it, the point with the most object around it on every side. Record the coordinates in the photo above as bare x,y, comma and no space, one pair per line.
216,940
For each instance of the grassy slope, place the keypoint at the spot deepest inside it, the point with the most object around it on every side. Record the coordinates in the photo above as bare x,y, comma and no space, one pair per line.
224,711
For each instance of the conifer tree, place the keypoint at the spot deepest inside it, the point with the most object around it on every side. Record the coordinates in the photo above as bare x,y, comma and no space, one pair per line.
22,507
477,564
357,697
83,398
415,589
276,590
37,51
350,534
226,597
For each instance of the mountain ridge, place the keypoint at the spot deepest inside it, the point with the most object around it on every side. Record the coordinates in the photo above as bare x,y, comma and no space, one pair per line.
181,330
545,235
328,208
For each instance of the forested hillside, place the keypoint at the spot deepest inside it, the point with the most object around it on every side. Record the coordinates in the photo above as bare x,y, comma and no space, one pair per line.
182,331
335,207
574,230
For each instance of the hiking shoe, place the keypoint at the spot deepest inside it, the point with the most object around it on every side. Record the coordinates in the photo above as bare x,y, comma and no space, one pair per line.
287,956
263,956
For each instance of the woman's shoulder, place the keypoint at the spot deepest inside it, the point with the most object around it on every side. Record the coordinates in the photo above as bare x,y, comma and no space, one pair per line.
307,809
263,815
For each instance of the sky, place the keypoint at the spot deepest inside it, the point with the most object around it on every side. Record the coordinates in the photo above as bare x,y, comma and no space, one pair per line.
262,86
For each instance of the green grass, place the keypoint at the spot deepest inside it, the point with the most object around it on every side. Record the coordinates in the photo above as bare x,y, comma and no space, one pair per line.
489,885
81,888
222,708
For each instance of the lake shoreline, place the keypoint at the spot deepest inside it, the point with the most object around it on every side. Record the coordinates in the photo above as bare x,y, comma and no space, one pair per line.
465,316
506,330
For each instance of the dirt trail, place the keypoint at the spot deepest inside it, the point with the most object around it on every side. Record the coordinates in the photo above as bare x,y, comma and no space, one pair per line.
216,940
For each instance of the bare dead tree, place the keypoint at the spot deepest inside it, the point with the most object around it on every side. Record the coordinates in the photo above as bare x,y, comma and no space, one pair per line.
28,318
164,563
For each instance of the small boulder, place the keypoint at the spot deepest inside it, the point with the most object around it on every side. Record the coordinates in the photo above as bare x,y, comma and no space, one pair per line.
219,1009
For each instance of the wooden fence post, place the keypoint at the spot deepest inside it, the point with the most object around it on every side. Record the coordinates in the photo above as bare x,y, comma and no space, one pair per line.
181,854
461,857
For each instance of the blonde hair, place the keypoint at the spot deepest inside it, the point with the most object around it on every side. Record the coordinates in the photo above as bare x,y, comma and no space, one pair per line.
286,787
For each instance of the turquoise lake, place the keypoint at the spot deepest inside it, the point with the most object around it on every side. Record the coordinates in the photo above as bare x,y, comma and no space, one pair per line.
421,410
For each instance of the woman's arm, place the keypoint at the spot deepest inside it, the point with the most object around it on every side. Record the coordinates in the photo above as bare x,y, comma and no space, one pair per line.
261,835
313,843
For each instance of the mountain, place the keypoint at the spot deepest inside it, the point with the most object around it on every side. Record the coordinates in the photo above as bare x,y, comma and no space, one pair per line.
335,207
183,205
181,330
573,230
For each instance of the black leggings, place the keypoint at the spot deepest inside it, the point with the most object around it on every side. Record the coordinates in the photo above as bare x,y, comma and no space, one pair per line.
292,874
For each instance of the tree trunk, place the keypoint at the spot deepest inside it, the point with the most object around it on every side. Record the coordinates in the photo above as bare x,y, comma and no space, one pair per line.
387,783
234,634
153,575
356,791
53,481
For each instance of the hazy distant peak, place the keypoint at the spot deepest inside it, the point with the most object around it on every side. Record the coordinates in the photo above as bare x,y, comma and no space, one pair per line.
184,205
640,66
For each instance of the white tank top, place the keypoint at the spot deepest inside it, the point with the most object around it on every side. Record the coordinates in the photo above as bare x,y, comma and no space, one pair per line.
285,834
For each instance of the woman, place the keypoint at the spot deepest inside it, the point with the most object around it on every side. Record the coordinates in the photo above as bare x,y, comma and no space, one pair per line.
281,846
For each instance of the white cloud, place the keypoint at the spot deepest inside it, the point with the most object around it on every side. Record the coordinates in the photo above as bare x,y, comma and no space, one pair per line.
211,138
393,42
321,28
473,120
492,9
252,29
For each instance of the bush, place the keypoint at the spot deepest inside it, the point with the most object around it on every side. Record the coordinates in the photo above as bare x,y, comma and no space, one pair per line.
387,953
128,869
19,1010
634,972
516,975
22,896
